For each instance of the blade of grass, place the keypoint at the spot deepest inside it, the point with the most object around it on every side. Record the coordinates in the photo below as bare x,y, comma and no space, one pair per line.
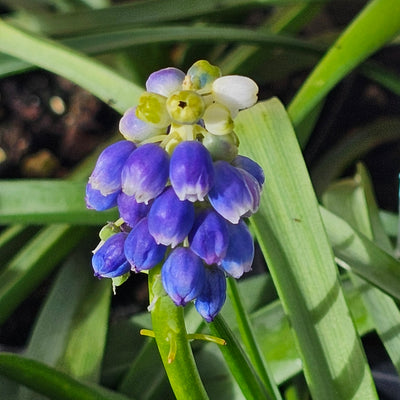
85,317
34,262
290,232
139,13
77,345
390,222
371,29
356,253
84,71
353,200
286,20
237,361
11,239
50,202
388,79
247,335
50,382
106,41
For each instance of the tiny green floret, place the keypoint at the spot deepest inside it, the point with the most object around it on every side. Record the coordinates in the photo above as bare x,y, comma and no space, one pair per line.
185,107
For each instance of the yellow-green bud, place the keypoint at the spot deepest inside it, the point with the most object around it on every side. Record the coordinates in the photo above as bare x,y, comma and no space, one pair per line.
185,107
108,230
200,76
151,109
119,280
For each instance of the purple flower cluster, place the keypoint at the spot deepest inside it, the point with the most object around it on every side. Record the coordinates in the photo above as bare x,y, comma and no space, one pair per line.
179,204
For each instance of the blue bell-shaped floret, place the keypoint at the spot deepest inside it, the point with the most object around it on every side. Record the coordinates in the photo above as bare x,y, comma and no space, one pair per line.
96,201
235,192
165,81
191,171
254,189
170,219
240,254
212,297
183,276
109,260
133,128
106,175
145,172
209,236
141,249
130,210
251,167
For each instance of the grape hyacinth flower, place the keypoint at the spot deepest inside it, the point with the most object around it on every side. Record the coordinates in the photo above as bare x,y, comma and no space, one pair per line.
183,276
170,228
109,260
209,237
211,299
191,171
106,176
145,173
130,210
235,192
181,187
141,250
96,201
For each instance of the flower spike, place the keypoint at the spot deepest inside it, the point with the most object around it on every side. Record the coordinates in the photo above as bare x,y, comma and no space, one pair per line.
181,188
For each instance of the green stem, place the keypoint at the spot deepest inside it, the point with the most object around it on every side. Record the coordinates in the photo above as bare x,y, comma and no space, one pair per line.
173,345
238,363
249,341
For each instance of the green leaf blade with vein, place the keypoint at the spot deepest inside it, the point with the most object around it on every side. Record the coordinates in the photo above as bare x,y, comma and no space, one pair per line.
87,295
34,262
77,345
353,199
290,232
355,252
90,74
138,13
50,202
50,382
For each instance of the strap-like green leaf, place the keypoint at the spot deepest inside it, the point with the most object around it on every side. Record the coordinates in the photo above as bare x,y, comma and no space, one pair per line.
48,202
139,13
353,199
86,72
82,329
49,381
292,237
34,262
357,253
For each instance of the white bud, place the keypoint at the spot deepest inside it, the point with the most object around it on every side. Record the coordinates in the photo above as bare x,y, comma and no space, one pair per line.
235,92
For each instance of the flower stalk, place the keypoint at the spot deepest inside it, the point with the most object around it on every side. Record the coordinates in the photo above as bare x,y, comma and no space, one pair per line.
172,342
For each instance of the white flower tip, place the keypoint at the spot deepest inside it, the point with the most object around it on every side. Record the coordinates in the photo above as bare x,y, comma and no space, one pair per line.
235,91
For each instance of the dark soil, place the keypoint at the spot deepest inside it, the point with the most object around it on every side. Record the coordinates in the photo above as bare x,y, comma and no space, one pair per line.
47,125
